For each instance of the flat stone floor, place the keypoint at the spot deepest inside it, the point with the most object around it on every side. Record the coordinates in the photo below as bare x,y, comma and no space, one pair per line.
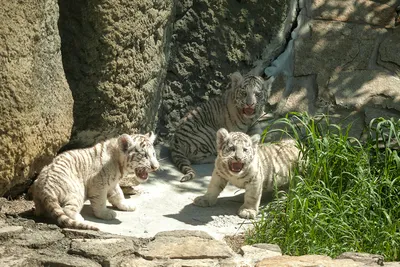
165,204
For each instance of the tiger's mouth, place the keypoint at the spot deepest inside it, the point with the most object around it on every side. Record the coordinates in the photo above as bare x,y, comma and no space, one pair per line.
248,111
236,166
142,173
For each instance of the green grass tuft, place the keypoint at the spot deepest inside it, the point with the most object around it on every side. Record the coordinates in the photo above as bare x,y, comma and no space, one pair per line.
344,197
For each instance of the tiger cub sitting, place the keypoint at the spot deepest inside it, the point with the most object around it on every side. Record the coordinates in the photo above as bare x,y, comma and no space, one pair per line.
93,173
245,163
236,110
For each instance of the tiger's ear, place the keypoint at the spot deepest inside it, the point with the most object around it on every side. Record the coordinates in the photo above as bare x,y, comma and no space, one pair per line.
125,141
236,79
151,136
255,139
222,136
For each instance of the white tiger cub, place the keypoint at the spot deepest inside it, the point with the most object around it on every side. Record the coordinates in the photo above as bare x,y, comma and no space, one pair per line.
93,173
236,110
245,163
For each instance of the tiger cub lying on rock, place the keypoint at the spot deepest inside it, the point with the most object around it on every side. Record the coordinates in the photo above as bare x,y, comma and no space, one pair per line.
93,173
245,163
236,110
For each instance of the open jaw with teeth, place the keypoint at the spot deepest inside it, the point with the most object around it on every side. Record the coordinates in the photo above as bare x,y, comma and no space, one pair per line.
235,166
141,173
248,111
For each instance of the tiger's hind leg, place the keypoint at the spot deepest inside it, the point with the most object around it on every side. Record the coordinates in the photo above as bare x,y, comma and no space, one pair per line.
116,198
39,209
73,210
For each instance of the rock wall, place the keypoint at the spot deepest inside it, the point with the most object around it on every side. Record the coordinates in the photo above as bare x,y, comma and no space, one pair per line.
35,100
26,243
212,39
136,64
343,59
115,56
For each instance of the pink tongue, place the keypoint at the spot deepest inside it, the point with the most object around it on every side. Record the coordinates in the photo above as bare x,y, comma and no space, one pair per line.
142,174
236,166
248,111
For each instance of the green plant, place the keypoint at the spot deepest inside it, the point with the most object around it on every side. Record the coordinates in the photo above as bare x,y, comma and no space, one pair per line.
344,196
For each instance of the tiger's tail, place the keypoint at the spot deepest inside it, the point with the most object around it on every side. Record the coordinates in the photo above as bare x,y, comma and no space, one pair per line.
56,212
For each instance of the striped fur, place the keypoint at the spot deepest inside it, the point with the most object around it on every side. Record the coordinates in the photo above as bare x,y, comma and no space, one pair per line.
236,110
93,173
245,163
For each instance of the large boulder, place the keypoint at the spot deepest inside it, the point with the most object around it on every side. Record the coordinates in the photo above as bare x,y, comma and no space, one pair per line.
35,100
115,55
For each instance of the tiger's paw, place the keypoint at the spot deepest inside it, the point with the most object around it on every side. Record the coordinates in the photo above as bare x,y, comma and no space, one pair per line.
126,206
247,213
203,201
186,177
106,214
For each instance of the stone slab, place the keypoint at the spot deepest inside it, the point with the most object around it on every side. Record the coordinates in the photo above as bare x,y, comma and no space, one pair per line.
100,249
186,246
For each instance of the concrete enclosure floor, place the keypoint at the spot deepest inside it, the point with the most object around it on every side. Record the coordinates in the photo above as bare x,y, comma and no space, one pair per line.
164,204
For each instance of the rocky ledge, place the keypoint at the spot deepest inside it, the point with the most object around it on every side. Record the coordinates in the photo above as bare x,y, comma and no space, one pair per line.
24,242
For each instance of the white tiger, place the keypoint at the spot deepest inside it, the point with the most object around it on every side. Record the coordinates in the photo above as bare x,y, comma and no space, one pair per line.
245,163
236,110
93,173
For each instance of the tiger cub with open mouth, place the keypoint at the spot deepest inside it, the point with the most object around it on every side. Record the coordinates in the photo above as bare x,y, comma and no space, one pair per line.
245,163
236,110
93,173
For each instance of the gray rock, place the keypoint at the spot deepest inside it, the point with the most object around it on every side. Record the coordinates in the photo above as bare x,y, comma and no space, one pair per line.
331,47
183,245
37,238
35,100
300,96
183,233
255,253
356,89
369,259
115,56
64,260
360,11
101,249
375,112
270,247
86,234
389,56
12,256
9,231
307,261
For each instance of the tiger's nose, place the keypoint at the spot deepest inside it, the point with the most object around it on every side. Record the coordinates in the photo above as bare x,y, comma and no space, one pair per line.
155,167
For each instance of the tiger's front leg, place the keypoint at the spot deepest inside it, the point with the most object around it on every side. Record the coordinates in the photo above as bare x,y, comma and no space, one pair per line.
116,198
252,198
217,184
99,206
